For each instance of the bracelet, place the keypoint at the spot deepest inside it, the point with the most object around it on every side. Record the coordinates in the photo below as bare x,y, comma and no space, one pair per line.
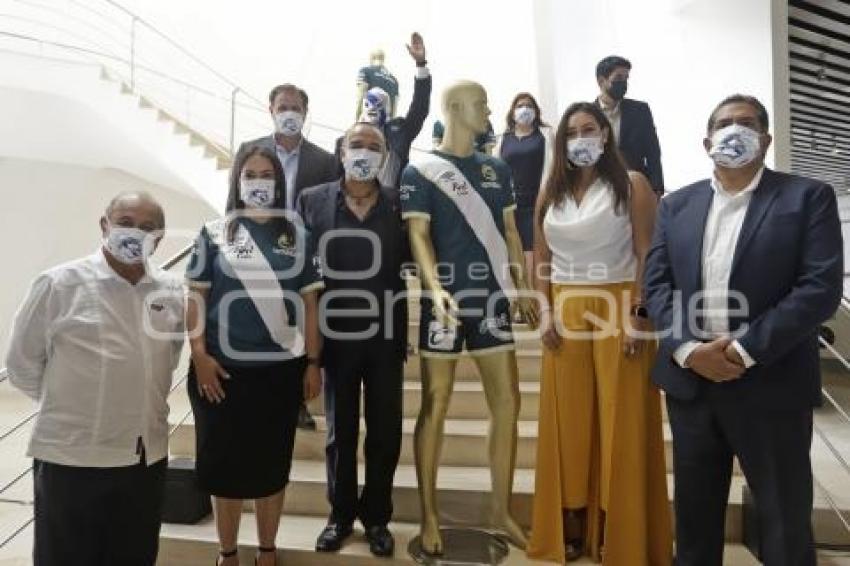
312,361
422,63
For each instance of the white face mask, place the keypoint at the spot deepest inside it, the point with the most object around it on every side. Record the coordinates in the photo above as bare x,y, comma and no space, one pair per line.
288,123
734,146
524,115
257,193
131,246
362,164
584,152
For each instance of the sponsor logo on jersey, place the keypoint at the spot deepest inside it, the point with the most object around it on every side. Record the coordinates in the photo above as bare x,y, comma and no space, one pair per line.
405,191
492,324
440,336
458,185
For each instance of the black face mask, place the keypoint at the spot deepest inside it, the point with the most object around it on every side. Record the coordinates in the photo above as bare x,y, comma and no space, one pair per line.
618,88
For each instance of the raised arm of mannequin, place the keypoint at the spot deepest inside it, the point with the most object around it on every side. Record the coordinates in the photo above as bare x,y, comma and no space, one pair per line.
512,239
419,230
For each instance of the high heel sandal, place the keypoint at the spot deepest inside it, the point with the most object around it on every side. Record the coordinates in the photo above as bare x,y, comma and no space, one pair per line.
225,554
574,545
262,549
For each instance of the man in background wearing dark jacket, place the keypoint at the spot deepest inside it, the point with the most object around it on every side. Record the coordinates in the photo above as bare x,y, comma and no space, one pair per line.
631,120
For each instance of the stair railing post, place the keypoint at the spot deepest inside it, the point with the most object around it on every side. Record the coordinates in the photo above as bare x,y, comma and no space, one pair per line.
233,120
133,23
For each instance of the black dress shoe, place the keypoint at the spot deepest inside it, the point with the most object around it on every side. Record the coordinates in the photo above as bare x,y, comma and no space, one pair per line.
330,540
305,419
381,541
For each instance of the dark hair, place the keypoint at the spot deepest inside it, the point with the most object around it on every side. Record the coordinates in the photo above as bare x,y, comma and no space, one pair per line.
510,123
761,111
606,66
291,88
235,202
564,176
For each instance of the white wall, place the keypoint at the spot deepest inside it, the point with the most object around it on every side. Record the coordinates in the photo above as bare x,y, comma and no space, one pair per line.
50,215
687,55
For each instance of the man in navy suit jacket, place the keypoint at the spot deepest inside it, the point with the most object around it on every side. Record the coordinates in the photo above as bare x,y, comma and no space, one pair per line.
742,271
632,121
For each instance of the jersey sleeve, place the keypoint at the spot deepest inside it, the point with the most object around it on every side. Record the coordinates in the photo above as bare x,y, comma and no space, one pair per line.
415,194
311,275
507,182
363,77
199,269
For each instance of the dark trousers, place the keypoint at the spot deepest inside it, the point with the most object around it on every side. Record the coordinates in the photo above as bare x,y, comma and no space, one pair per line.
97,516
773,450
377,365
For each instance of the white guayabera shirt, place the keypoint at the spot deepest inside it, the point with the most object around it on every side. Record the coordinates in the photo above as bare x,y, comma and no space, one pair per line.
722,228
98,354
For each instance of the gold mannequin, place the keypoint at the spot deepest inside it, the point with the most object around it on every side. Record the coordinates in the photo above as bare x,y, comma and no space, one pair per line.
465,116
376,59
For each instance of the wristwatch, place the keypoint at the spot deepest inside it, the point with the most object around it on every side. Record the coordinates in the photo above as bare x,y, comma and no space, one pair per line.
639,311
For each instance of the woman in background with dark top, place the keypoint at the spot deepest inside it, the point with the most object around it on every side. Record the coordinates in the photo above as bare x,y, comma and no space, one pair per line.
254,335
526,146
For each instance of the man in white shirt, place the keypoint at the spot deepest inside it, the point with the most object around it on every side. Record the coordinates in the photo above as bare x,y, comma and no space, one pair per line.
743,270
95,343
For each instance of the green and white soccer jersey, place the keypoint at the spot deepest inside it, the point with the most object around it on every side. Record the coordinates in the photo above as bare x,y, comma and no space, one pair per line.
379,76
465,200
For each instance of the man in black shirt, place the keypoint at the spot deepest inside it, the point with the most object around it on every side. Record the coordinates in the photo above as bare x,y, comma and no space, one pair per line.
357,225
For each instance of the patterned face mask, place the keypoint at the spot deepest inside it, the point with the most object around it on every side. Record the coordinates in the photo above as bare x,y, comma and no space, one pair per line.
128,245
584,152
257,193
362,164
734,146
288,123
375,105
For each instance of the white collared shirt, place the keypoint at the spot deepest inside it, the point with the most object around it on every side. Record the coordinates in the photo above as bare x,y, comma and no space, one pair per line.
98,354
614,115
289,163
722,229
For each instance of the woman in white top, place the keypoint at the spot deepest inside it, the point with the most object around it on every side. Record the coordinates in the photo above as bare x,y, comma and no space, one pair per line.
600,478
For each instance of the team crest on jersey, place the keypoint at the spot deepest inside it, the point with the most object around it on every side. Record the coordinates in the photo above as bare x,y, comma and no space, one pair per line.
488,173
458,185
405,192
285,245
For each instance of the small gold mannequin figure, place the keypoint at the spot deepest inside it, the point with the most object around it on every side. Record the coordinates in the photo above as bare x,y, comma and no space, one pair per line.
376,74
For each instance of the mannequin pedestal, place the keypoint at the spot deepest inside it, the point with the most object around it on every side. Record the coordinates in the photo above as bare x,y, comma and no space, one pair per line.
463,546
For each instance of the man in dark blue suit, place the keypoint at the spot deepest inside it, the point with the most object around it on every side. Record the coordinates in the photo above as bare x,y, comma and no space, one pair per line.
634,128
742,271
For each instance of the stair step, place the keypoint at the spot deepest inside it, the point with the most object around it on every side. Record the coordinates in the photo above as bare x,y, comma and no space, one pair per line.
197,545
463,495
468,401
464,443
